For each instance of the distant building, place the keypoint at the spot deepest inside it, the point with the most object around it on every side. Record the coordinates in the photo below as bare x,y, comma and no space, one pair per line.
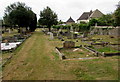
70,21
86,16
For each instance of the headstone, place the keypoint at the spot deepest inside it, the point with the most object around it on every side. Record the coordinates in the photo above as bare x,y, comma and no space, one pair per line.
54,34
75,36
69,35
69,44
9,31
59,37
51,36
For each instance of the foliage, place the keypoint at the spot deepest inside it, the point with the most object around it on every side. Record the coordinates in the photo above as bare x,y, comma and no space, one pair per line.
67,27
84,27
106,20
48,18
57,26
93,21
75,26
60,22
19,14
117,16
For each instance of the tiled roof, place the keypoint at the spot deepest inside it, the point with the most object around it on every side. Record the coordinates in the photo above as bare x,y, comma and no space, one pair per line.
84,16
70,20
87,15
96,14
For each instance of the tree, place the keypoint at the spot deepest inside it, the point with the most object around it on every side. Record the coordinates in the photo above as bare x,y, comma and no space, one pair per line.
85,28
93,21
19,14
117,16
48,18
106,20
60,22
32,20
75,26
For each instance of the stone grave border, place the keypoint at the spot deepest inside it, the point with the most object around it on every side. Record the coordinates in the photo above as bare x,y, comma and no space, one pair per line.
100,53
62,56
96,53
11,50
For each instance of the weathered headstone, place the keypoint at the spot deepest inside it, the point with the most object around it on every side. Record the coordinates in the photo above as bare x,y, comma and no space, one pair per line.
54,34
9,31
51,36
69,44
75,36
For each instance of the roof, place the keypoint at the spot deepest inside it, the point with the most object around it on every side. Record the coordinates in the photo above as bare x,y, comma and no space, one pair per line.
85,15
70,20
96,14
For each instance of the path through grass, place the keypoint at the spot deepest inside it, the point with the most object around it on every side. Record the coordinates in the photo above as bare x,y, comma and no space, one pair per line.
37,60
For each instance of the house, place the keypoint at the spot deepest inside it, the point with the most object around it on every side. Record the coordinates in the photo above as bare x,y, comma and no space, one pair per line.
70,21
86,16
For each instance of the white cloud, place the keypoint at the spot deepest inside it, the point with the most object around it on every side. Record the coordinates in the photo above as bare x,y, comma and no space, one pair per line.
65,8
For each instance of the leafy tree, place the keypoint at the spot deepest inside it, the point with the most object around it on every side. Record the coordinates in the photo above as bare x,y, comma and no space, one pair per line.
9,9
85,28
33,23
117,16
19,14
106,20
48,18
75,26
57,26
93,21
60,22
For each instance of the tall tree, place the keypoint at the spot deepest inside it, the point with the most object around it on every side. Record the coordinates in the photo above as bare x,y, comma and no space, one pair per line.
48,18
19,14
106,20
117,15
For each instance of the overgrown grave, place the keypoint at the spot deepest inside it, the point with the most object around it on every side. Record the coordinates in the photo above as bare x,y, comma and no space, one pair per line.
103,48
70,51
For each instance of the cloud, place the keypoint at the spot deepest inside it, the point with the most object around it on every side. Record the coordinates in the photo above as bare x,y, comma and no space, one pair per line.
65,8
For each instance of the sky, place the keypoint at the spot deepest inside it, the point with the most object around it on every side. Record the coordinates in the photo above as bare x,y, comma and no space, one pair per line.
65,8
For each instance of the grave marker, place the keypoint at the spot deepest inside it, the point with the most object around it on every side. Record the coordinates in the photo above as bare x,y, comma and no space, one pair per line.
69,44
51,36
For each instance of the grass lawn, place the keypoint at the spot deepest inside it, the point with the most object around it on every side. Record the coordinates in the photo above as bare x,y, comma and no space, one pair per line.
36,59
106,38
76,53
14,32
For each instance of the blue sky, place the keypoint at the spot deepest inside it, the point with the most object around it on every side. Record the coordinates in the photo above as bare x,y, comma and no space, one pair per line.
65,8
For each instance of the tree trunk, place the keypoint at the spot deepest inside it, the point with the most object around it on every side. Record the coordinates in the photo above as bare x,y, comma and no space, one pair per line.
49,29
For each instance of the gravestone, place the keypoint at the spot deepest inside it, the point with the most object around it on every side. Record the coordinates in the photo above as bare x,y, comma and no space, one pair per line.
75,36
59,37
69,35
51,36
54,34
68,44
9,31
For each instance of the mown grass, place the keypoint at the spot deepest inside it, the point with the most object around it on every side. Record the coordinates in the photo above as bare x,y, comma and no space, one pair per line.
79,53
6,34
36,59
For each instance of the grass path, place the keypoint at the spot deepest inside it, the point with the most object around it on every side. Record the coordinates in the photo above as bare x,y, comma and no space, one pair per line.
37,60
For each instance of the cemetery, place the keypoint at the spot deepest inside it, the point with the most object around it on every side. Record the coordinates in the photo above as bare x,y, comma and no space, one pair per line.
45,44
51,49
94,45
10,43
